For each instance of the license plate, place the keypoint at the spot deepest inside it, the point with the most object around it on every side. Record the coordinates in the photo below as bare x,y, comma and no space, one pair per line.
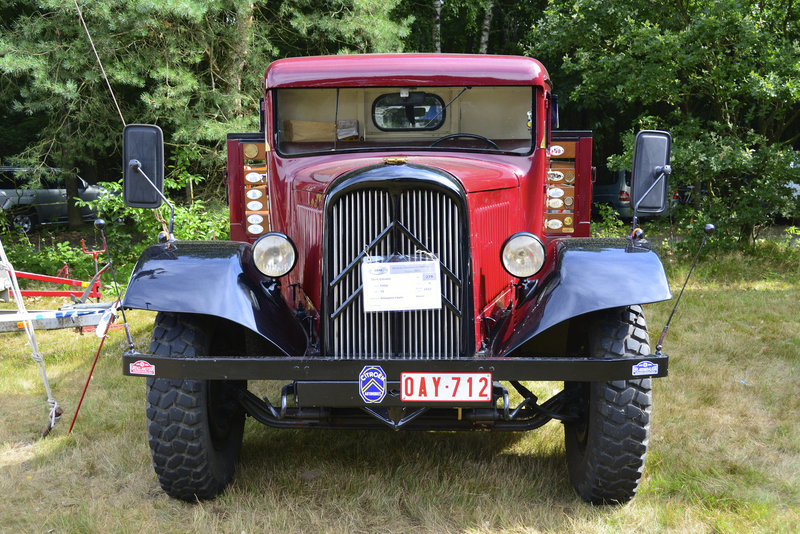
446,387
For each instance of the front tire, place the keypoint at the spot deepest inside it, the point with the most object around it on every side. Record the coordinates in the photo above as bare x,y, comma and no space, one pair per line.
195,427
606,449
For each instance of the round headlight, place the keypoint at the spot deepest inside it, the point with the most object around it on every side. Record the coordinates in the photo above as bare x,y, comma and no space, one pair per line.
523,255
274,254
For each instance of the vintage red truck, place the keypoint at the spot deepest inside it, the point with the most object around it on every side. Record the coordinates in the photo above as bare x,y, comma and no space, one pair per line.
410,244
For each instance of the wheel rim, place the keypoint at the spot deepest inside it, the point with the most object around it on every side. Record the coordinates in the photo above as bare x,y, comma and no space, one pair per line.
23,222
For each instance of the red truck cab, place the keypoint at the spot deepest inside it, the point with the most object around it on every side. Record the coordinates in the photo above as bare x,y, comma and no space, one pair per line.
329,116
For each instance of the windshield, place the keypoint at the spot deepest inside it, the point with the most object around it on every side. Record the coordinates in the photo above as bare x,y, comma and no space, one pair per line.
475,119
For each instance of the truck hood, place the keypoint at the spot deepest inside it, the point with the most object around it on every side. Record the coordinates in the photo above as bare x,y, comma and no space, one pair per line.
314,174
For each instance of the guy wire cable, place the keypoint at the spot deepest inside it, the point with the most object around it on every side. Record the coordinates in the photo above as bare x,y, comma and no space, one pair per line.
91,42
114,98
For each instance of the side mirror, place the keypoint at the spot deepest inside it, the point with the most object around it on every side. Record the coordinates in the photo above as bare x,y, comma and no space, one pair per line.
143,182
650,170
554,120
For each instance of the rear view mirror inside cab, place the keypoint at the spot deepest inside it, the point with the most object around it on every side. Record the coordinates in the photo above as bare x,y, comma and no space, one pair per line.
408,110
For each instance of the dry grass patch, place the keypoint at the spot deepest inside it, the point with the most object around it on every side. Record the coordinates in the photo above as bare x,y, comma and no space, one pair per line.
724,455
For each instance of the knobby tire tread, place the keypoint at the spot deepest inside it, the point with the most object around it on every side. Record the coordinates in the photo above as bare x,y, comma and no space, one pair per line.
184,459
608,467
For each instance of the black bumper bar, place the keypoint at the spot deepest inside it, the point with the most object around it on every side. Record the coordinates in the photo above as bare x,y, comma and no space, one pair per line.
329,369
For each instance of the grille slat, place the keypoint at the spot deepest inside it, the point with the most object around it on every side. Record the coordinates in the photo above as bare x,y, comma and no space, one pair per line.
387,223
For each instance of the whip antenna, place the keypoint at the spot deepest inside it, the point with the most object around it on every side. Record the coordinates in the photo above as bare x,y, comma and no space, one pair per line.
708,229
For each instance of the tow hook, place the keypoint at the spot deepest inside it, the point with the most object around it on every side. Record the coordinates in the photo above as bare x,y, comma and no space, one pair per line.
508,414
561,407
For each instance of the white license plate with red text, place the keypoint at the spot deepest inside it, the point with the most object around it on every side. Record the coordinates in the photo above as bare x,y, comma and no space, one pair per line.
446,387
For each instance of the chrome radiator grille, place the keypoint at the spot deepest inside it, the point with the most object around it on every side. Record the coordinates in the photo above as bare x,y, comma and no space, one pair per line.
406,223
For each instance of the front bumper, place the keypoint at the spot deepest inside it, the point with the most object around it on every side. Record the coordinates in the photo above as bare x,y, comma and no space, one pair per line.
330,369
328,392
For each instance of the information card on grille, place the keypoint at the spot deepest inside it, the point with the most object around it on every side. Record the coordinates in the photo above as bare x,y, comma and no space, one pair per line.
401,285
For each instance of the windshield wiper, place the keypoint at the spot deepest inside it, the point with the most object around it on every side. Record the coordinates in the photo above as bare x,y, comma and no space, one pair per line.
439,114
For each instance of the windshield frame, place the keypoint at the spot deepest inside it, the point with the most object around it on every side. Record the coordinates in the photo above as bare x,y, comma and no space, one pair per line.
337,146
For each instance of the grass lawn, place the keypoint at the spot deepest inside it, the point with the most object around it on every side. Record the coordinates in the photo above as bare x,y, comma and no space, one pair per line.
724,454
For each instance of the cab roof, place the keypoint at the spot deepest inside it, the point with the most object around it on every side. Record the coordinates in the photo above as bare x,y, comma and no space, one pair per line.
411,70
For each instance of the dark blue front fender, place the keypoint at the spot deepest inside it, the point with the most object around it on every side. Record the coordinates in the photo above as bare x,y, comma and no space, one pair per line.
214,278
588,275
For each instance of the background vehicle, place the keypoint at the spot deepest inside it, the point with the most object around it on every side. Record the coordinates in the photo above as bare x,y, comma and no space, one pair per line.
410,244
614,189
33,197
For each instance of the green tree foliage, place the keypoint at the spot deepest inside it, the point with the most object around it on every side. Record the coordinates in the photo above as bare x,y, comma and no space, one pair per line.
314,27
723,76
194,67
462,23
177,64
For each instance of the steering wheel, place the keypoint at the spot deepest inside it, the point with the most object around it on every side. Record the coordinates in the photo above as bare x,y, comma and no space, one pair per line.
489,142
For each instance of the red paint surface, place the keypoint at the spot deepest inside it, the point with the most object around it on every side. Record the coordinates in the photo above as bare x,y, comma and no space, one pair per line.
412,70
505,193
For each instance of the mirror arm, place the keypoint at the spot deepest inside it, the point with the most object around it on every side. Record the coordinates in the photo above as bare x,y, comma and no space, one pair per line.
136,165
663,170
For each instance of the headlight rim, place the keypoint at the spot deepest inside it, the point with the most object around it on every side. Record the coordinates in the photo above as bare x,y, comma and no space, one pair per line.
537,239
274,234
